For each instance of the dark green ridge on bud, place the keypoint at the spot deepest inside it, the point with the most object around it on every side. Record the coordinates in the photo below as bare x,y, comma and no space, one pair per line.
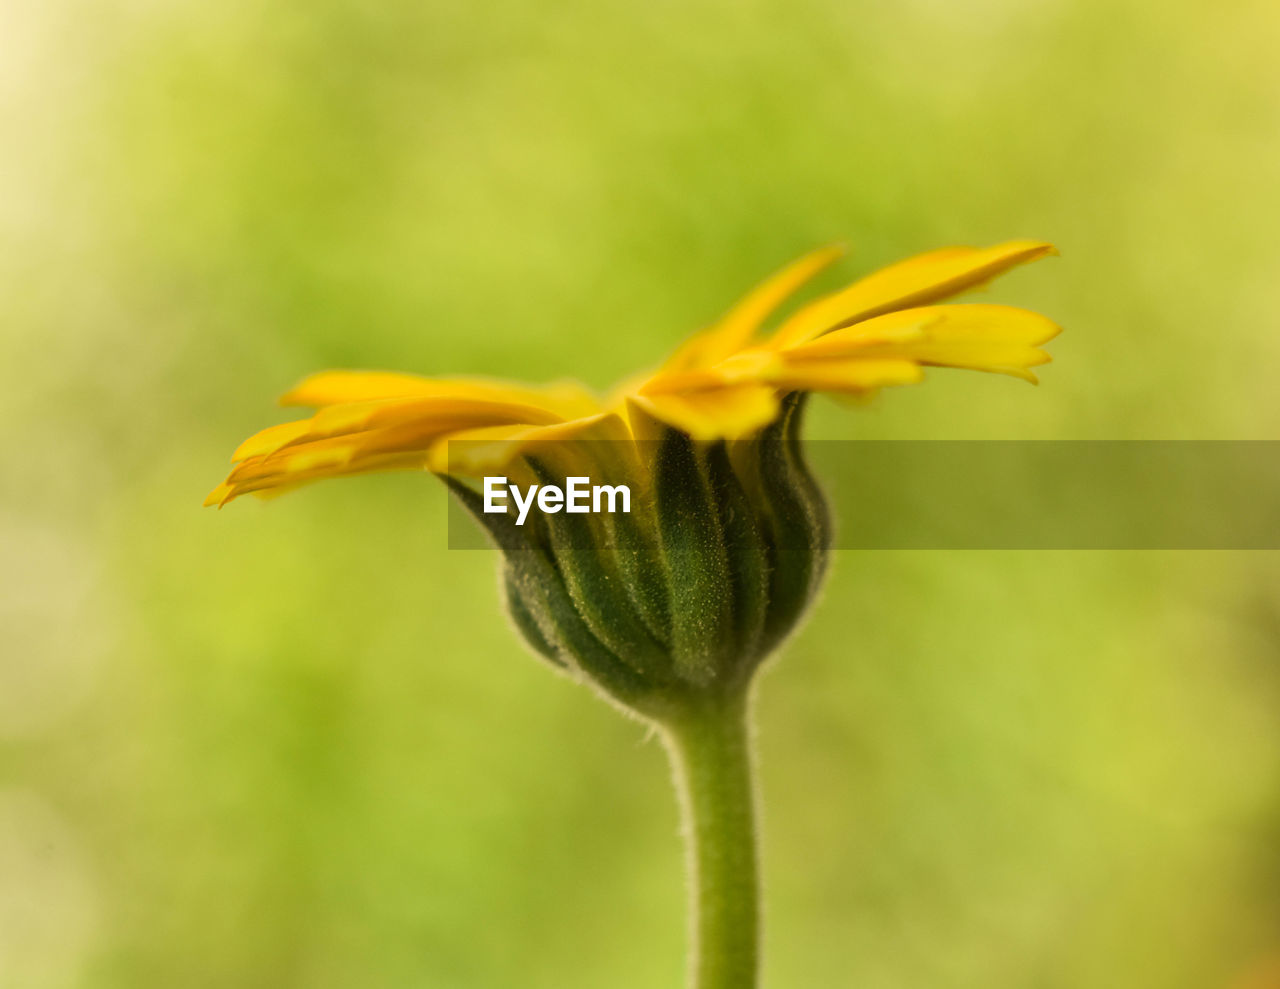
683,597
819,509
634,539
592,577
535,582
525,623
748,556
695,559
796,515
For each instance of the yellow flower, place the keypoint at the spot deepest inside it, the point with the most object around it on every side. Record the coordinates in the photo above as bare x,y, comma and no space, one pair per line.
668,608
724,383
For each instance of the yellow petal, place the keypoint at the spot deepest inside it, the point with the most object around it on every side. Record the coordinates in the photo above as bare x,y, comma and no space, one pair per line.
895,327
413,422
736,328
965,322
271,439
572,447
566,399
1002,339
600,447
845,375
716,413
336,453
453,413
343,439
744,367
917,281
274,484
476,452
335,387
219,495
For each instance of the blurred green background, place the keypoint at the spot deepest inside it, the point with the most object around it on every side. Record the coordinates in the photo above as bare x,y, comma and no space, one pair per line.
294,744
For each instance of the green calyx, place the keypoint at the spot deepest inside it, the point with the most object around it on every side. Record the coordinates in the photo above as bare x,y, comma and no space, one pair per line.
723,550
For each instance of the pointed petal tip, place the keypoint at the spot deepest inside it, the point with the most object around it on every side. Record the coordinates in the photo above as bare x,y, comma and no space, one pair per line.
219,496
1030,245
292,397
303,393
1034,250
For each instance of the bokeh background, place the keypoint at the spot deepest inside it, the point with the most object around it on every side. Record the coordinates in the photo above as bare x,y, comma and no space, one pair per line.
294,744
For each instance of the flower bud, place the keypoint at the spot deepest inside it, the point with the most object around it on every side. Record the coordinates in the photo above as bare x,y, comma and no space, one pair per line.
723,550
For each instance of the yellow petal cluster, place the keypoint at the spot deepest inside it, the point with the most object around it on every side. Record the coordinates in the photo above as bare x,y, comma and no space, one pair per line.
723,383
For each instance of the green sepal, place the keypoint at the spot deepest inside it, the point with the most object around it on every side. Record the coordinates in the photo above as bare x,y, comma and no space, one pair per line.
795,513
533,580
748,556
591,575
524,621
641,570
695,558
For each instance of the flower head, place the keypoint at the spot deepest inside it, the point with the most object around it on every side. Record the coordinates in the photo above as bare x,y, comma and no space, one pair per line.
729,543
723,383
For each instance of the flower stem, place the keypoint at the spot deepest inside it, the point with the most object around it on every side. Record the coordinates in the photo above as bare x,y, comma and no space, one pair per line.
710,748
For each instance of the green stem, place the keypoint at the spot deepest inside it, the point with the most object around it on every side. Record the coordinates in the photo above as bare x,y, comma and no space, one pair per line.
710,752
